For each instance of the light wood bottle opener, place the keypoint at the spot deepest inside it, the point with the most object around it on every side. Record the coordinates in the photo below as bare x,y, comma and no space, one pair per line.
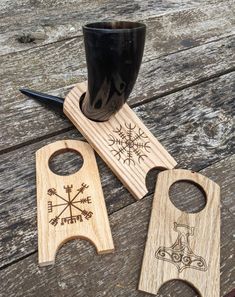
70,206
182,245
123,142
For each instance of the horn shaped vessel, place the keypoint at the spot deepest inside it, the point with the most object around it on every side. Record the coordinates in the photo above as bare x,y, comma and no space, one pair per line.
114,53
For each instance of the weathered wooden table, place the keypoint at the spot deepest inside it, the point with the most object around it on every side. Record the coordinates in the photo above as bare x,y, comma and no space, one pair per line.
184,94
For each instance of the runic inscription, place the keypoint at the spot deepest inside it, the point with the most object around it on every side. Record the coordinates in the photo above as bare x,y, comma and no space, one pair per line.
180,253
129,144
68,210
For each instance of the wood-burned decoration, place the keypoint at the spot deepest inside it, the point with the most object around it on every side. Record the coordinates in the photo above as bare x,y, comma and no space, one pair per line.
123,142
129,144
69,211
183,245
180,253
70,206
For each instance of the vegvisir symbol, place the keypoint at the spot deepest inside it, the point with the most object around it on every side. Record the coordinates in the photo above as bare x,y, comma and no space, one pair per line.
131,144
180,253
69,212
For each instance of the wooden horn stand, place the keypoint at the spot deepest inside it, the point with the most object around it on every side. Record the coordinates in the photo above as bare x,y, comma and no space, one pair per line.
70,206
123,142
180,245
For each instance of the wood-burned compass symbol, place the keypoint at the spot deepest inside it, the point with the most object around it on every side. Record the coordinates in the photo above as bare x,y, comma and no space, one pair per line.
68,211
129,144
180,253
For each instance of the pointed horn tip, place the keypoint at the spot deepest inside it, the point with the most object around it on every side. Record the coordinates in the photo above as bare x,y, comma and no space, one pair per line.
22,90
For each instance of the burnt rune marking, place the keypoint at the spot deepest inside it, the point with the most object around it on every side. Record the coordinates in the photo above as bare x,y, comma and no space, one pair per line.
180,253
129,144
69,212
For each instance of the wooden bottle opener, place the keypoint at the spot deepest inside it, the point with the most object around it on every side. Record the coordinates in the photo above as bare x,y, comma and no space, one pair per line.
70,206
182,245
123,142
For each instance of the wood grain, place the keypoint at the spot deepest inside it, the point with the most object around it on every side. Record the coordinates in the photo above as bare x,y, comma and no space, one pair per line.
101,7
203,22
203,135
157,78
85,218
192,256
122,269
123,142
44,31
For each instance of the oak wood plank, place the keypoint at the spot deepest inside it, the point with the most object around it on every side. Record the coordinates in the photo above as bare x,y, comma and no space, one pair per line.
79,272
107,138
174,236
176,28
70,206
24,119
195,125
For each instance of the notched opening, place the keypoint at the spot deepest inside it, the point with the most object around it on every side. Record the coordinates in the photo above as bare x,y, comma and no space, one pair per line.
86,241
178,287
151,178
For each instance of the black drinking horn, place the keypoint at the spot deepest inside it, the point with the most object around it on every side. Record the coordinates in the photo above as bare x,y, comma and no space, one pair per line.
114,52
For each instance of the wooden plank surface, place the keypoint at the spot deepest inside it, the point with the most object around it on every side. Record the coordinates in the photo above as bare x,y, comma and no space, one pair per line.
157,77
43,25
136,6
187,80
197,133
87,274
200,26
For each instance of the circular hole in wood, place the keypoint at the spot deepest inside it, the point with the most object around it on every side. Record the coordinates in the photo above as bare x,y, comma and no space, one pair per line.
178,288
65,162
187,196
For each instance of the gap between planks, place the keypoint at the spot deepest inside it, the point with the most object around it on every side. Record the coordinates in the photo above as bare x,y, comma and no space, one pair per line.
56,133
191,47
141,16
150,90
149,60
